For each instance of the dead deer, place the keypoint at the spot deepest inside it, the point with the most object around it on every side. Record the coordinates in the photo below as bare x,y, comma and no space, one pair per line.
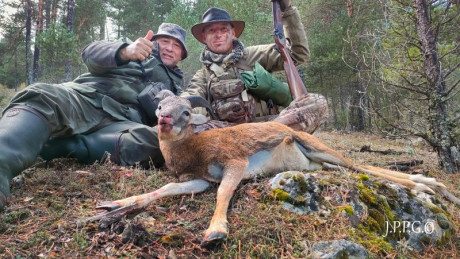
229,155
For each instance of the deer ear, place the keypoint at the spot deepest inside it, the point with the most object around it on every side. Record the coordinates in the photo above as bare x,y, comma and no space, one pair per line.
197,119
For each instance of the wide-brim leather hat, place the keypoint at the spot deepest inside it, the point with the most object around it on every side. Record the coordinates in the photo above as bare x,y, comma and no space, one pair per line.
174,31
215,15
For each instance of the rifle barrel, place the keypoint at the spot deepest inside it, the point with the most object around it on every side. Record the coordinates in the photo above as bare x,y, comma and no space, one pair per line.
296,86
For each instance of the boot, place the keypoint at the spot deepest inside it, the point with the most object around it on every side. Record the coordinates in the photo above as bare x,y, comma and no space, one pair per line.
23,132
86,148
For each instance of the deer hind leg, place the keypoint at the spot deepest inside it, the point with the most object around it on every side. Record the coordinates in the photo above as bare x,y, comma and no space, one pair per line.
418,178
218,229
396,177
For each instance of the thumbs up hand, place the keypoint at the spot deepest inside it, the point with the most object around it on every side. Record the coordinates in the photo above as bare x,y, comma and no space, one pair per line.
138,50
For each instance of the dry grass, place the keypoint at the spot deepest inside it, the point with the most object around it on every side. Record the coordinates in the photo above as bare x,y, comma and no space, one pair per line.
41,218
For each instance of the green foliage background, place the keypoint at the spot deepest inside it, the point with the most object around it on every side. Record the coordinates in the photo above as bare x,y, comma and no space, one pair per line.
356,57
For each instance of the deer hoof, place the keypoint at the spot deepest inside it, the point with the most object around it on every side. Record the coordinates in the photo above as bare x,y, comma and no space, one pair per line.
213,239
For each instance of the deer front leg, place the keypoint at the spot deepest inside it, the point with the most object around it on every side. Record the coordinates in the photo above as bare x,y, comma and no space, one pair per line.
218,230
118,209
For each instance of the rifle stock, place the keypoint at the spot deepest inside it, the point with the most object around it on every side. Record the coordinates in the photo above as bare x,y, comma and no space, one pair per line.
296,86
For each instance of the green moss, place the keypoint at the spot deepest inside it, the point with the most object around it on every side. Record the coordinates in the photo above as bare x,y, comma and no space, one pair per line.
57,206
287,175
443,221
343,255
390,194
17,216
372,225
432,174
40,237
280,195
79,239
328,181
377,184
378,220
366,194
298,177
301,181
299,200
363,177
435,209
372,242
446,237
348,209
379,212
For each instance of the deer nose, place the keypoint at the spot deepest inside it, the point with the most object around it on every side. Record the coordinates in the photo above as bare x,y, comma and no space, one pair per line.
165,116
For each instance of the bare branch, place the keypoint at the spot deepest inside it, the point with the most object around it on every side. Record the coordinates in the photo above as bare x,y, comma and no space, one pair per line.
411,83
451,90
452,70
415,90
408,131
453,50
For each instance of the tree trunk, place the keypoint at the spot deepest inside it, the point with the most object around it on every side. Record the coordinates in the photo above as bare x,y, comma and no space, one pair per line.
36,68
28,6
102,30
16,78
54,9
102,25
356,108
70,13
441,134
47,13
361,94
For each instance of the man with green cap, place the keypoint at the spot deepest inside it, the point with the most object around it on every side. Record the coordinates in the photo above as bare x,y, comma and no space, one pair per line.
225,59
106,111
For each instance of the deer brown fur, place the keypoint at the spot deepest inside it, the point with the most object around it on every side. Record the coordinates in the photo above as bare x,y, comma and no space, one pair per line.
229,155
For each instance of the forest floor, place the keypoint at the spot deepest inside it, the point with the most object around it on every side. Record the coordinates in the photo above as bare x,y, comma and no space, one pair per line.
42,219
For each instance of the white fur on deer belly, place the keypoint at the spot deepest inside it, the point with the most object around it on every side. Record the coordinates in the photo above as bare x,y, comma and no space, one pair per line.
283,157
216,172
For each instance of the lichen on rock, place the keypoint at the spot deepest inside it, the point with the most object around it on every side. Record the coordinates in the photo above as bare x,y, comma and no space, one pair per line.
385,214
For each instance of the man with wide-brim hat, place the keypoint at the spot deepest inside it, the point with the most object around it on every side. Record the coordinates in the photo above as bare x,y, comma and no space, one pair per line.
105,114
225,59
216,15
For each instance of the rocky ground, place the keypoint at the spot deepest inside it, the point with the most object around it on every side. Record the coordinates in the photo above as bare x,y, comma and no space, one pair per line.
297,215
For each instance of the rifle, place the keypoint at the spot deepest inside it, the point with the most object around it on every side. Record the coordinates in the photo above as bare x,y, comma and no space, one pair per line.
296,86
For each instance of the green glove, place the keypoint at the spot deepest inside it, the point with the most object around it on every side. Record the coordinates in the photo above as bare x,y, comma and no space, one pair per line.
264,86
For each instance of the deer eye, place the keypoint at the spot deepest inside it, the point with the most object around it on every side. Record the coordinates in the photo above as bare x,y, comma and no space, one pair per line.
187,113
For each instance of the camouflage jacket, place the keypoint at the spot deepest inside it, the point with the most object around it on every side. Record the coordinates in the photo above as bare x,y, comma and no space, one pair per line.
267,55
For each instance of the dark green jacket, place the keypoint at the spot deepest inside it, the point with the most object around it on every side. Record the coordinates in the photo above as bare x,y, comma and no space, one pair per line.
107,93
123,82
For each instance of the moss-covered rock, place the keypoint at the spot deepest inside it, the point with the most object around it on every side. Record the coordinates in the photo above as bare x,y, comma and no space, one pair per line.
384,214
299,192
